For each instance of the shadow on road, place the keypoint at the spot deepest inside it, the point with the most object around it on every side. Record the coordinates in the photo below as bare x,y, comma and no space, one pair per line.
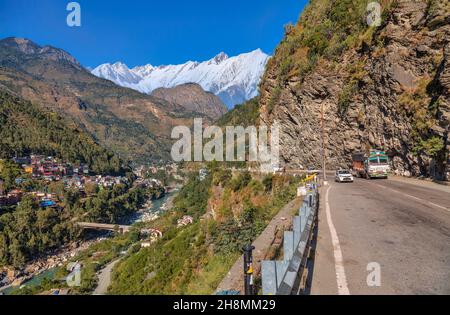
310,262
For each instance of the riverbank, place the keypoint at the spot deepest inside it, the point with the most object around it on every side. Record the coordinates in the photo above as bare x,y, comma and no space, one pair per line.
157,207
17,278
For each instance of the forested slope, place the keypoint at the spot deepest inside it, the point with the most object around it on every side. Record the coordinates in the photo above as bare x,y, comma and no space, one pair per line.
26,129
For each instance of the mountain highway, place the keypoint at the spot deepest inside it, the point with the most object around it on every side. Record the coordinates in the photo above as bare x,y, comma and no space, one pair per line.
394,232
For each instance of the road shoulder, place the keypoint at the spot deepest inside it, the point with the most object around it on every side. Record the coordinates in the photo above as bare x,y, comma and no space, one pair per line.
104,278
420,183
323,282
283,220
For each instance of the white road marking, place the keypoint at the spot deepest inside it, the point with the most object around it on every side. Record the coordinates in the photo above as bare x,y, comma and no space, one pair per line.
414,197
338,258
439,206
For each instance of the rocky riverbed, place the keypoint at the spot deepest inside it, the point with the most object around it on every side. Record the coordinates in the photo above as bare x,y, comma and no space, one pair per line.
16,277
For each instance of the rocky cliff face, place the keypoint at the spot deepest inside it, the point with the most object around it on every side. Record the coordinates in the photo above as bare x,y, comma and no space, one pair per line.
193,98
364,87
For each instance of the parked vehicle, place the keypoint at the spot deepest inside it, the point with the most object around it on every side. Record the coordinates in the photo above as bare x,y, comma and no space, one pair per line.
373,165
343,176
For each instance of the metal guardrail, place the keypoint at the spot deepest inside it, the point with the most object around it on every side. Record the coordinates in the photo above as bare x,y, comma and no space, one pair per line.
281,277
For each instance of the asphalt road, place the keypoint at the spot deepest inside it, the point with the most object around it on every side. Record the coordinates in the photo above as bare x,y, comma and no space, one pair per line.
401,225
104,278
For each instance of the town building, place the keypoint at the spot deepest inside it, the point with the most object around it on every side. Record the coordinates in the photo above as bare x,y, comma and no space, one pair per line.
22,160
202,173
11,199
185,220
2,190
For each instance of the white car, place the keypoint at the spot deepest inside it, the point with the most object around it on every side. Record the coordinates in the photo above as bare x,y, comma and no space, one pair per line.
344,176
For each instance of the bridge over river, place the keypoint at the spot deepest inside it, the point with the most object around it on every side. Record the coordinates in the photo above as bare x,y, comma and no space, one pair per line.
104,227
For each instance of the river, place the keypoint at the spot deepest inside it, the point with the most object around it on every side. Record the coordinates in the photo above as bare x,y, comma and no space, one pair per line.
158,206
33,282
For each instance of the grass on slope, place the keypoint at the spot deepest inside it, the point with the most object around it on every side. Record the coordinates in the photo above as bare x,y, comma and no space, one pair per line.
27,129
194,259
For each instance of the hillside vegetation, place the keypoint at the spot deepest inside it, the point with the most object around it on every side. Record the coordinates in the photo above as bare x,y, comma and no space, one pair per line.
28,231
229,211
26,129
245,115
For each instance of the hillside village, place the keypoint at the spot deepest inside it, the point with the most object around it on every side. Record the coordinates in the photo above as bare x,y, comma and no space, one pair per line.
59,186
49,169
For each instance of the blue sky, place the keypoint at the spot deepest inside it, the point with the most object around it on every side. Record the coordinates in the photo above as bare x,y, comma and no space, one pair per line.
149,31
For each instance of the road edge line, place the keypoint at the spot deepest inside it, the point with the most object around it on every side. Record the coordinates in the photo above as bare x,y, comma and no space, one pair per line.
341,278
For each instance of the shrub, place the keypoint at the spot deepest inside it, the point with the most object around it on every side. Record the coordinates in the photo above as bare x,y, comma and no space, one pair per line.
222,177
267,183
345,97
432,146
275,98
240,181
415,103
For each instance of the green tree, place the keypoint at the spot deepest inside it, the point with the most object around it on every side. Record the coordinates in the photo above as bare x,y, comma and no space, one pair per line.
9,171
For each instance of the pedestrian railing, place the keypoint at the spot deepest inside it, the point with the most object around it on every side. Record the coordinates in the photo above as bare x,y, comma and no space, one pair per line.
282,277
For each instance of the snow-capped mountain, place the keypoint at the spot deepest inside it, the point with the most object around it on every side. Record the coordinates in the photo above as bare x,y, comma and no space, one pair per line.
118,73
233,79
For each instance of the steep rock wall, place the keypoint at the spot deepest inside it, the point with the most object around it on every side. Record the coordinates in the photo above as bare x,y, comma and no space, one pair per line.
389,90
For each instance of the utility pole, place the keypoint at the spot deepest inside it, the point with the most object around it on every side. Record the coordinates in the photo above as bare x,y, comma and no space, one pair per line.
322,123
249,285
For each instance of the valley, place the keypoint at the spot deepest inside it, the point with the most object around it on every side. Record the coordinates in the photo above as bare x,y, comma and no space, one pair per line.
89,188
135,126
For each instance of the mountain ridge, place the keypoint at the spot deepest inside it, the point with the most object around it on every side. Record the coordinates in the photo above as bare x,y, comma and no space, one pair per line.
136,126
234,79
192,97
27,129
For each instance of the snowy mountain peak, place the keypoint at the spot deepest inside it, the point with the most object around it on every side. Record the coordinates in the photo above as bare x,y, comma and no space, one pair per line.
234,79
143,71
220,57
117,72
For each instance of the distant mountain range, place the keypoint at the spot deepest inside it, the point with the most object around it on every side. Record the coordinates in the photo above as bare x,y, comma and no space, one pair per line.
193,98
134,125
234,79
